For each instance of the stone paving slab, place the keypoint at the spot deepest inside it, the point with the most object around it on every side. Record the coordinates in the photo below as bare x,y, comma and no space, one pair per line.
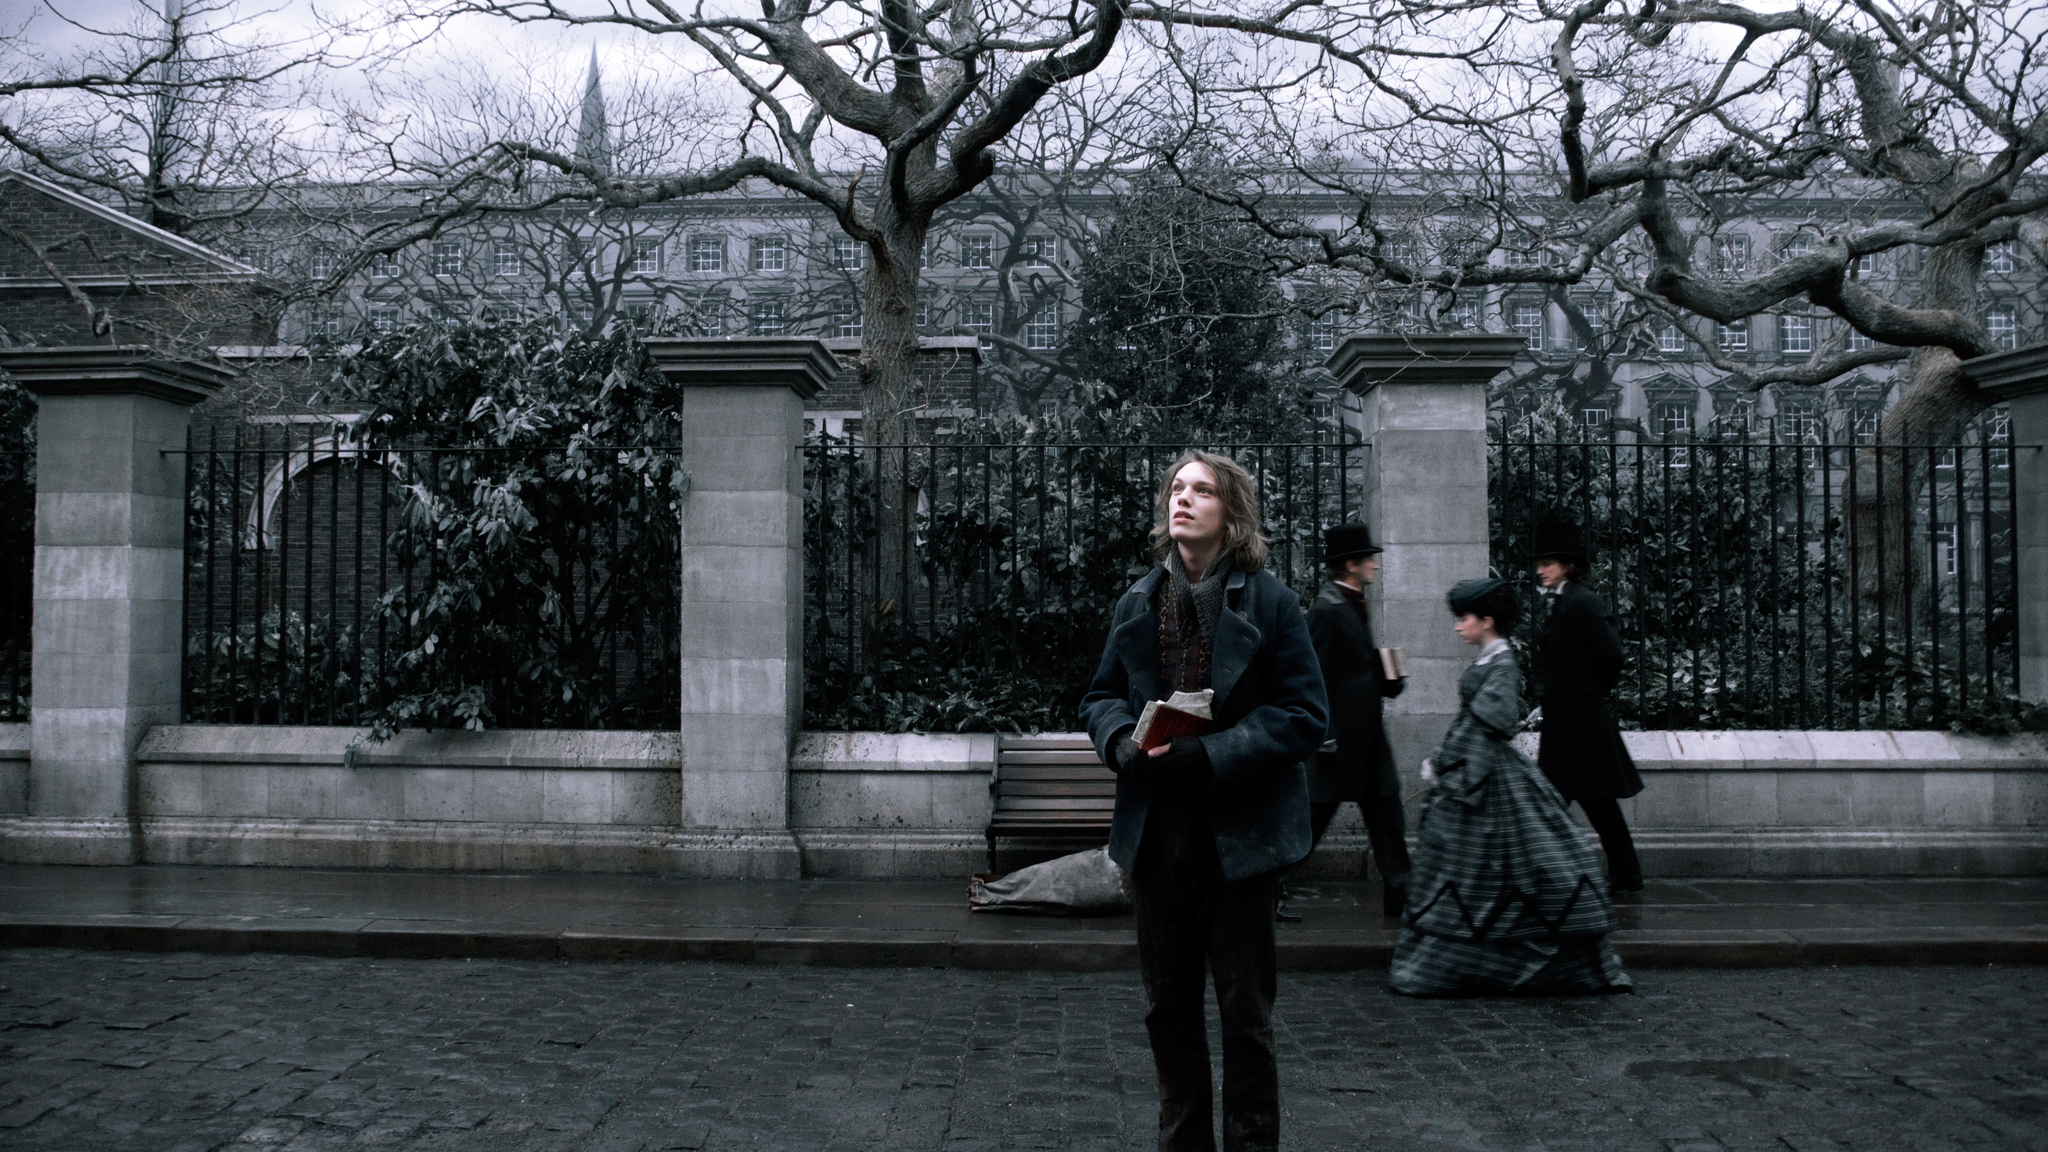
192,1052
842,923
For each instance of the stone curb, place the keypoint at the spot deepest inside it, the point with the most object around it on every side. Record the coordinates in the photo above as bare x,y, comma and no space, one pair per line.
855,948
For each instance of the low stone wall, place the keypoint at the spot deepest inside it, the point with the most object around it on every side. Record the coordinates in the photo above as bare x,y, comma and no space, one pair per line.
1839,803
13,768
881,805
325,797
874,804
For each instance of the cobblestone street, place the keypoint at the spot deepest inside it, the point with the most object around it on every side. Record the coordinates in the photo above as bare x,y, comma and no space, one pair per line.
191,1052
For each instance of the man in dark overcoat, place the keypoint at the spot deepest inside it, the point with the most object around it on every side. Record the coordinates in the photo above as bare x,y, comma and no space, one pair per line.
1205,824
1578,663
1360,766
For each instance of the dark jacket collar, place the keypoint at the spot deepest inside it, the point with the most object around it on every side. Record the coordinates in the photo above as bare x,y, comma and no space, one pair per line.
1332,594
1235,643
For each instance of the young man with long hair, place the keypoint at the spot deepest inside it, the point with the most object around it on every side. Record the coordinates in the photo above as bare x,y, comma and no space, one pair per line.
1206,824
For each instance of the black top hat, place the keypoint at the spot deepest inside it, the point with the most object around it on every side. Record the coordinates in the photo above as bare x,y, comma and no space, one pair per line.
1343,541
1563,539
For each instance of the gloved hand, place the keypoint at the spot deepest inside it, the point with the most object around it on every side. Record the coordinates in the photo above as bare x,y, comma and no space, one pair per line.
1428,772
1184,759
1533,722
1129,757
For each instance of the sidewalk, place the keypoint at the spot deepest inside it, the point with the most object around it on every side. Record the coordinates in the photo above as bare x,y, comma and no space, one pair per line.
1693,923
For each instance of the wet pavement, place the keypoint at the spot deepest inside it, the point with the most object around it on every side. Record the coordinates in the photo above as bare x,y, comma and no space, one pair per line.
190,1052
1673,923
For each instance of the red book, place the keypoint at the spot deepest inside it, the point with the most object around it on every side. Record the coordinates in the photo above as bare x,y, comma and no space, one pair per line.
1162,724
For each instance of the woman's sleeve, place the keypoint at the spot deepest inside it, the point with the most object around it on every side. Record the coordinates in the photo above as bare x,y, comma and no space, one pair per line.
1497,706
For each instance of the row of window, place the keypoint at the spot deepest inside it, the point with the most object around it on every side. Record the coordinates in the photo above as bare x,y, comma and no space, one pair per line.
699,253
1796,333
770,253
770,316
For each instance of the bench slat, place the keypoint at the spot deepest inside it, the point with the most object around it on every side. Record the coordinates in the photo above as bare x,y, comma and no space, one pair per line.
1052,787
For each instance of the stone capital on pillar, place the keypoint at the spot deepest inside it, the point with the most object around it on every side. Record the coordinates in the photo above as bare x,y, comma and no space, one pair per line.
109,589
1424,401
742,595
2020,380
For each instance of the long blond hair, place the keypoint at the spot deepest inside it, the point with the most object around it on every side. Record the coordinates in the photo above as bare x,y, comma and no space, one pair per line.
1242,540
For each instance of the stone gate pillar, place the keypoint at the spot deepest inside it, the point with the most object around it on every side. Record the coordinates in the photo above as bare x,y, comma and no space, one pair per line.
109,588
2020,380
742,595
1425,499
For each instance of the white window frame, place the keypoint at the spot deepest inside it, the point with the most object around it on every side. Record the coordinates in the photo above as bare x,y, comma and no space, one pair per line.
1733,337
1322,331
978,316
447,258
1732,253
977,251
849,255
386,266
1672,418
1528,320
384,318
1042,328
768,315
506,260
707,252
321,264
768,254
1670,338
1795,334
646,259
2003,324
1999,257
848,319
1040,251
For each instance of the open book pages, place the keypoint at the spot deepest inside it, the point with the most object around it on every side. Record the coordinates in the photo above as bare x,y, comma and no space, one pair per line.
1182,714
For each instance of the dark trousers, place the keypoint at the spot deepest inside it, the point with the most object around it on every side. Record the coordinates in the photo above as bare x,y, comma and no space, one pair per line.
1191,918
1386,828
1606,819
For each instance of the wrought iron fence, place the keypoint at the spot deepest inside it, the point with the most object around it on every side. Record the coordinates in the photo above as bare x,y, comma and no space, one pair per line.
969,586
1764,584
316,566
17,578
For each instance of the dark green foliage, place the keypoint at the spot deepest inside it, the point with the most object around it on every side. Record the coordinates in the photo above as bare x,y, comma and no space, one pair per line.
1734,577
1183,325
1024,540
541,532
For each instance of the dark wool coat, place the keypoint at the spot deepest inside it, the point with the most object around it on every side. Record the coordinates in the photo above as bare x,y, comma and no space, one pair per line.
1270,715
1362,767
1578,662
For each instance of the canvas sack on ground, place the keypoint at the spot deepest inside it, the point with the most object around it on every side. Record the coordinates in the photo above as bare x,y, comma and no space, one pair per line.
1077,885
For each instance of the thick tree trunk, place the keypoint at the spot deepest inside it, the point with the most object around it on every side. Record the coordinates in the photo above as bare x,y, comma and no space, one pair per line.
892,398
1935,406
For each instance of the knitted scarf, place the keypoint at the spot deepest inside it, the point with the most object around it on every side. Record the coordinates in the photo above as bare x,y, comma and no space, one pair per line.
1188,613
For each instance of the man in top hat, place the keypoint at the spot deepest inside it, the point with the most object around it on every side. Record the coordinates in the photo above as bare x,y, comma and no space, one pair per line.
1578,663
1358,765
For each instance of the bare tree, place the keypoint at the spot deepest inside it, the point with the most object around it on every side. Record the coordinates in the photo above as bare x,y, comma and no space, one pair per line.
881,115
1621,145
184,119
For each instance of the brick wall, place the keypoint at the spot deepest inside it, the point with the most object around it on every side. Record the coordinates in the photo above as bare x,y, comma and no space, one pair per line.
947,375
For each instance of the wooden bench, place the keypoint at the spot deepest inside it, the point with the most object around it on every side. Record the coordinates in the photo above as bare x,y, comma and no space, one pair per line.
1050,788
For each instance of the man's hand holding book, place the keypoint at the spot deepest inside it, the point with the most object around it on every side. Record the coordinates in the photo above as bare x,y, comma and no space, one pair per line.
1164,746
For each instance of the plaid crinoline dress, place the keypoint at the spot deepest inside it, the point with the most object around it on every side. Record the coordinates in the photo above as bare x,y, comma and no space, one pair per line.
1507,894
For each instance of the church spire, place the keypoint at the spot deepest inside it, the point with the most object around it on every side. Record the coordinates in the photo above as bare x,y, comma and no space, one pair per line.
593,142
